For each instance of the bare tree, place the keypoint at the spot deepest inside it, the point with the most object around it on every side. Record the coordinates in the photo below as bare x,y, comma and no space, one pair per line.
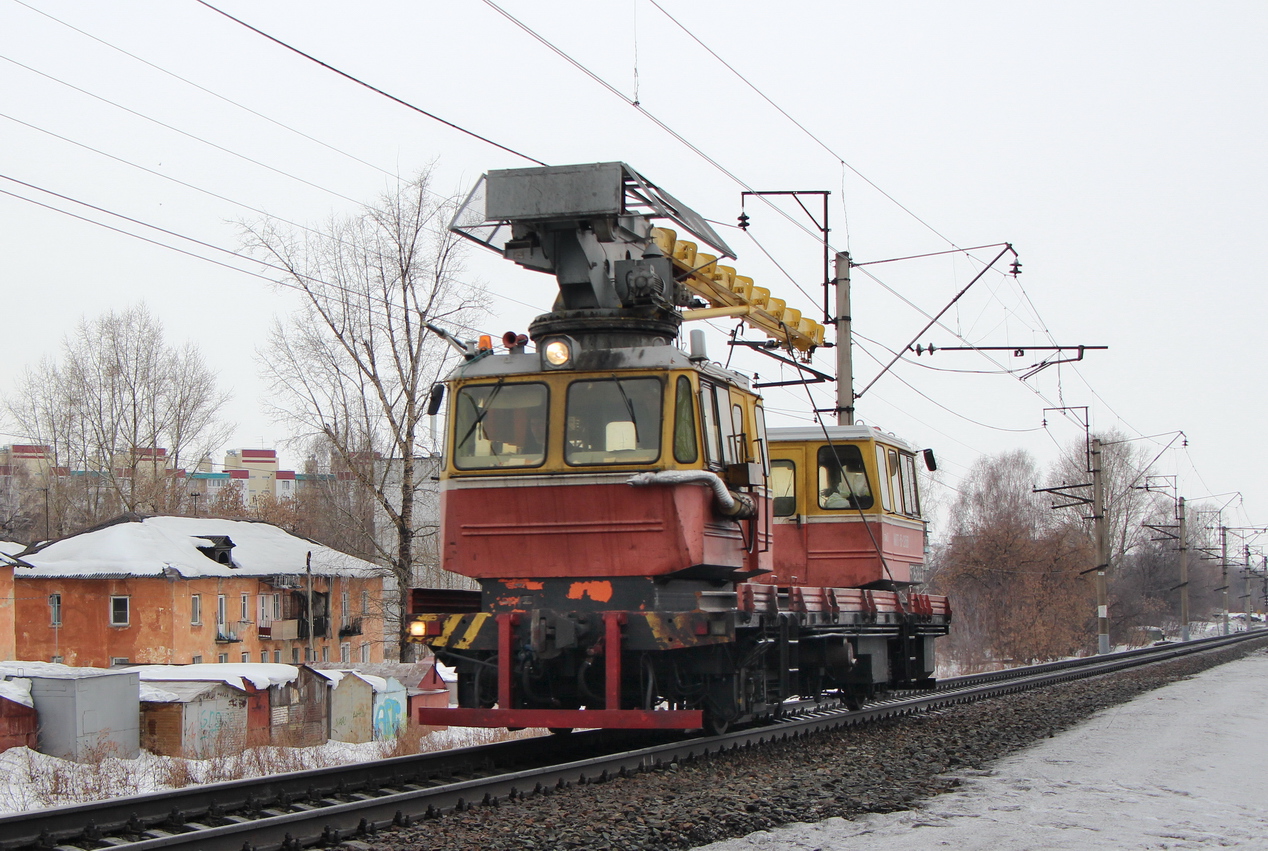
1137,591
1011,570
119,411
355,365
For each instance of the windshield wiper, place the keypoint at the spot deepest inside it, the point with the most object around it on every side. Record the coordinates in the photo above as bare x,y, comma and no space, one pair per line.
629,406
480,413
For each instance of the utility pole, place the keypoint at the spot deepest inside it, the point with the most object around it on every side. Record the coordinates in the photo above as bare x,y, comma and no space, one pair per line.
1246,587
845,343
308,568
1184,575
1101,534
1224,572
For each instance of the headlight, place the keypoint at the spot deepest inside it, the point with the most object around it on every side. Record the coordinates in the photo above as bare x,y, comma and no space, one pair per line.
418,629
557,353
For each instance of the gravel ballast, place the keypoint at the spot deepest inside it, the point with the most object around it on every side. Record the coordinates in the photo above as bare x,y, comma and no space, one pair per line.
880,767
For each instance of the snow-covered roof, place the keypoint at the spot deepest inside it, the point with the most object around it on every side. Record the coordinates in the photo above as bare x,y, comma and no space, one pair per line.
336,675
155,545
56,671
408,674
379,684
9,548
154,694
177,692
237,674
17,690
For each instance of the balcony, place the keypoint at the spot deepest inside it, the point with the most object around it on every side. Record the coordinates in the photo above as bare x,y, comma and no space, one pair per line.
351,627
321,627
226,636
283,630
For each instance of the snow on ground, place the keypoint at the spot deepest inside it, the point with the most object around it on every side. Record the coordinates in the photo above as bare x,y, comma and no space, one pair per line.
30,780
1176,768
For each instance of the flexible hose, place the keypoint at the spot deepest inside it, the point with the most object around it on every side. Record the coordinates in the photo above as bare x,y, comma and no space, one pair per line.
731,504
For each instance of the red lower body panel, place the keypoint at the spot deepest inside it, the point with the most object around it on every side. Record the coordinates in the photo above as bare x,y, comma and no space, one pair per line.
630,719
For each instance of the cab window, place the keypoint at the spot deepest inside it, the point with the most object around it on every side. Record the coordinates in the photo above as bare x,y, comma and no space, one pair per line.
742,450
760,418
613,421
783,483
686,449
500,425
896,482
842,478
709,423
882,485
911,493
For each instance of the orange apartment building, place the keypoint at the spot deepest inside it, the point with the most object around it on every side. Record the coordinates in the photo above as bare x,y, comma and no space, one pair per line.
179,590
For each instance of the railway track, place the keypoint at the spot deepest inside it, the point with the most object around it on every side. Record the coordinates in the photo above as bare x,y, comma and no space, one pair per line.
328,805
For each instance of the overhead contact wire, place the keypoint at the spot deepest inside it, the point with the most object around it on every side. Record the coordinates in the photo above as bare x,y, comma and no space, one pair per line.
370,86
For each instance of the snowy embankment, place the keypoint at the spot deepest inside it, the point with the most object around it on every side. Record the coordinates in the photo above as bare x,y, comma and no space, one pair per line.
1176,768
31,780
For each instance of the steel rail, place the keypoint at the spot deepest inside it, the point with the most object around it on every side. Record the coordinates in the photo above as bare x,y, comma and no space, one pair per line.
291,811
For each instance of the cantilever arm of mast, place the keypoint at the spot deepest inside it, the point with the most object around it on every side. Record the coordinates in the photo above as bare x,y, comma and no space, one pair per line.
1008,248
765,349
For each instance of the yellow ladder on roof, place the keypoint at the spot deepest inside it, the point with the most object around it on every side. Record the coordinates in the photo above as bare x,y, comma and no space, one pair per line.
729,294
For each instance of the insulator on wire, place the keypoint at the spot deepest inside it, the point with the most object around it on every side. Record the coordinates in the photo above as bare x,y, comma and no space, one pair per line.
743,221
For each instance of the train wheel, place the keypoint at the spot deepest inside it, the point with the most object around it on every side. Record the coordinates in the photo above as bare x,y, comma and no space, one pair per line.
714,723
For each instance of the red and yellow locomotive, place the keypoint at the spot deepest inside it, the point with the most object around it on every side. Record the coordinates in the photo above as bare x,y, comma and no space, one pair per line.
648,555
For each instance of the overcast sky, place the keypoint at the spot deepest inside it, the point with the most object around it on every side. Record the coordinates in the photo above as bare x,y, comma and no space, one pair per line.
1119,146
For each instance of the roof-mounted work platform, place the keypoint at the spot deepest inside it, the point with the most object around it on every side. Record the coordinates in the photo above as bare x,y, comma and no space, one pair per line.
591,226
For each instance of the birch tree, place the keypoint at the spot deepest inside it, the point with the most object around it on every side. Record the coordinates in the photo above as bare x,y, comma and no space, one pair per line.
353,367
120,411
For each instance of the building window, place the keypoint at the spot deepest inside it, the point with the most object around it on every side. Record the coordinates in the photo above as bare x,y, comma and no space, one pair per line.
365,652
196,609
115,661
56,660
365,603
246,607
223,658
325,653
345,653
345,611
119,611
264,657
246,657
197,660
55,609
277,657
277,607
221,614
294,655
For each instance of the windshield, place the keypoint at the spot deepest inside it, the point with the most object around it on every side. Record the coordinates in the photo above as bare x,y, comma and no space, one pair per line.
613,421
842,478
500,425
